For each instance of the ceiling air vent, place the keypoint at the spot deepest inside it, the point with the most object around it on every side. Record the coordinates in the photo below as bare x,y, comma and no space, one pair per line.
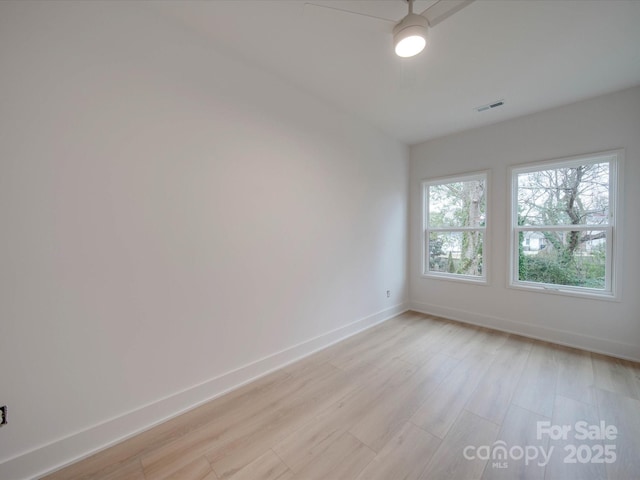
489,106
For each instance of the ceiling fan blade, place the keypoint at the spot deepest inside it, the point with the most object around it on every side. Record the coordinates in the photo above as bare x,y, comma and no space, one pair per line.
443,9
316,5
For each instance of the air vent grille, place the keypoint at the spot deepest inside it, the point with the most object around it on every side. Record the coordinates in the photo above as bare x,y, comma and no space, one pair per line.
489,106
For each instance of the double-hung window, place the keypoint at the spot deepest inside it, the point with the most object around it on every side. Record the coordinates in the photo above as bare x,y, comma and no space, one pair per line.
455,220
563,219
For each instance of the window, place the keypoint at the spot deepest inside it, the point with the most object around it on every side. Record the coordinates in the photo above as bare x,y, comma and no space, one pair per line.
563,225
455,215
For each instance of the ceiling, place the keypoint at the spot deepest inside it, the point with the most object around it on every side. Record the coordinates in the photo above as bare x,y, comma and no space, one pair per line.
534,54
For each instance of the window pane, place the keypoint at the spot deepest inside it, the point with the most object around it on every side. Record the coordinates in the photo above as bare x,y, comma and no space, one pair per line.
457,204
569,258
456,252
565,196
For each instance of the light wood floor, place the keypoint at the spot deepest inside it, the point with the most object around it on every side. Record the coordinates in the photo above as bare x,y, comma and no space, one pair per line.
399,401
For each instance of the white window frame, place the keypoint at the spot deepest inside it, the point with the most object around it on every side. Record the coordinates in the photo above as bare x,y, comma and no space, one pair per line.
465,177
613,228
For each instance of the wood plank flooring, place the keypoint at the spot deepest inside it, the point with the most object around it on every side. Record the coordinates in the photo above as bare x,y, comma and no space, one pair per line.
403,400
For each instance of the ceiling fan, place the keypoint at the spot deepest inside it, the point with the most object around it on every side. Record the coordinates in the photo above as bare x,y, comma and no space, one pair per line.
410,33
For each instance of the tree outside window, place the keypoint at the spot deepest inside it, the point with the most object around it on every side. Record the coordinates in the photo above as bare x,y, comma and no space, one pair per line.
454,227
563,220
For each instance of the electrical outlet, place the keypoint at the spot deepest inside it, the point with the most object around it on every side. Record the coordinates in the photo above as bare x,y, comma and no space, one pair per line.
3,415
388,293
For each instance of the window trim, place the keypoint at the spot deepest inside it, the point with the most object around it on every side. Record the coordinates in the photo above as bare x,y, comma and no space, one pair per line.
456,277
613,228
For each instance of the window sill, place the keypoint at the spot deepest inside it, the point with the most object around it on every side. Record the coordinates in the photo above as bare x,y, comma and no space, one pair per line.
469,280
567,292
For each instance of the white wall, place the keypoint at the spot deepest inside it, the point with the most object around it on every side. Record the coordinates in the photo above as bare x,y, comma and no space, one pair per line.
603,123
169,215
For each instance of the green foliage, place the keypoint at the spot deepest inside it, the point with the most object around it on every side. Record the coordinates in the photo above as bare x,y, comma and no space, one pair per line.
523,265
451,268
471,256
545,269
456,204
435,247
588,271
564,196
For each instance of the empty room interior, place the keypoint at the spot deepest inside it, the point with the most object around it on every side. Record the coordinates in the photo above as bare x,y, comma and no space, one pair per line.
319,239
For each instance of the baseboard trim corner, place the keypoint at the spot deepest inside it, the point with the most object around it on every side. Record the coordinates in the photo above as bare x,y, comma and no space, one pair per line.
561,337
53,456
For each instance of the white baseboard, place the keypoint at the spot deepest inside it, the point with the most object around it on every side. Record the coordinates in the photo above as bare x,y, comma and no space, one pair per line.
562,337
70,449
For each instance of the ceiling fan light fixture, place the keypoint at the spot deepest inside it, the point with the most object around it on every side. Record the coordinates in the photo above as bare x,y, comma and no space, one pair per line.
410,35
